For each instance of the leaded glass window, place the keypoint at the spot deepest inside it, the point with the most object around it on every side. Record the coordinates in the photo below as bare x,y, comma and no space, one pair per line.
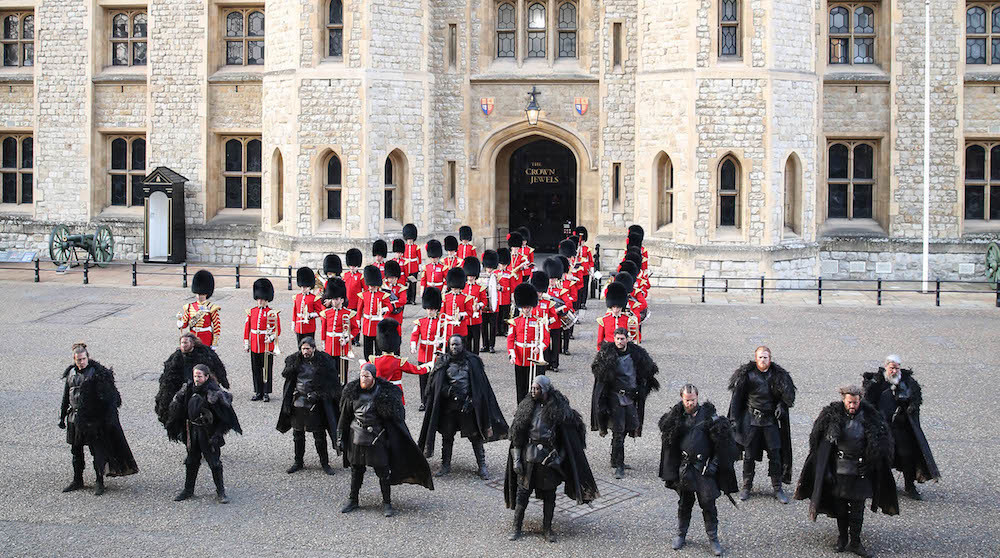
16,165
335,29
18,38
729,192
852,33
536,30
245,37
506,31
851,180
567,30
982,34
982,181
126,169
729,28
242,171
129,33
334,187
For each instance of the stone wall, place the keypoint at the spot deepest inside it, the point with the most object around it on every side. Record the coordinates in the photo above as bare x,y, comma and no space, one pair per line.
396,28
618,114
980,110
793,128
791,35
17,106
862,112
236,106
120,106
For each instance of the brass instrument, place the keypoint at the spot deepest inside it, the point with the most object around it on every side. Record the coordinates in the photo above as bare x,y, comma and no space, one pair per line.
632,325
440,339
270,335
345,341
535,356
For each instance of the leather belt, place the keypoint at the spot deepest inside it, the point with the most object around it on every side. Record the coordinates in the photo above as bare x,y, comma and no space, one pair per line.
200,329
258,332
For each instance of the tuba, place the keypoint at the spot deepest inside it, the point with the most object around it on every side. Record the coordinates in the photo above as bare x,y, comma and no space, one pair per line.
535,355
632,325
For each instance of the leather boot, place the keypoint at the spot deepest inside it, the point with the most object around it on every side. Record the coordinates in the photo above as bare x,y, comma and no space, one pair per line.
324,454
618,454
748,471
387,510
910,488
447,445
99,482
856,521
548,510
220,487
480,451
77,483
842,537
683,522
518,521
190,476
357,475
779,493
299,438
712,530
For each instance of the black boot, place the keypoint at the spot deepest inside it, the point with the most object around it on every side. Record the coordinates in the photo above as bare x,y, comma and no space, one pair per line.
842,537
712,530
447,445
779,493
618,454
515,532
324,454
299,438
77,483
220,487
683,522
99,482
387,510
480,451
548,510
910,488
357,475
857,519
748,471
190,476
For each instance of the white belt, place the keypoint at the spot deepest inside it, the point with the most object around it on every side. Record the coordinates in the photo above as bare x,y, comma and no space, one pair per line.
200,329
526,345
371,317
396,382
259,332
426,342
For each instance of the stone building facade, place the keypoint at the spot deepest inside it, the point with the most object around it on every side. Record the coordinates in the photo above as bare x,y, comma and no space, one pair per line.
748,137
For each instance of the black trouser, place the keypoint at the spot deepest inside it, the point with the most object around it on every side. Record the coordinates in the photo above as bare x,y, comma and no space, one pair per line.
371,347
567,335
548,505
503,315
97,455
770,438
710,513
411,290
473,338
850,517
522,379
319,438
358,477
584,292
617,449
257,369
551,353
423,388
489,330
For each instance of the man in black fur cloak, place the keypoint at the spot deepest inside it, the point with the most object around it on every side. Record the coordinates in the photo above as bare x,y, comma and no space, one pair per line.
310,401
372,433
200,415
547,442
460,399
624,374
696,460
849,461
763,392
89,414
897,395
178,367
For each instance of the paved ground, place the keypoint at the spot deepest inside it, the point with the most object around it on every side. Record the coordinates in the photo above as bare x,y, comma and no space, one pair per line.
952,349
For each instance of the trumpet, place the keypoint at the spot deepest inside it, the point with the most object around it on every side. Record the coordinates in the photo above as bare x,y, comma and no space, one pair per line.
535,357
440,338
270,335
345,341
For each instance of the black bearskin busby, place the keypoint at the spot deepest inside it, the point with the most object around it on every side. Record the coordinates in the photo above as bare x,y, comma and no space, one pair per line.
263,290
629,267
525,234
450,244
471,267
503,256
525,296
373,277
332,265
635,257
581,231
465,232
553,268
431,299
335,288
515,240
305,277
392,269
616,295
409,231
203,283
626,280
379,248
491,259
398,246
433,248
387,336
354,257
565,264
567,248
539,280
455,278
638,230
634,239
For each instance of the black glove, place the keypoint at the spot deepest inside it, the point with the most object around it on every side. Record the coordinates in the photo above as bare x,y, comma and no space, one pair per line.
62,424
518,465
312,398
711,467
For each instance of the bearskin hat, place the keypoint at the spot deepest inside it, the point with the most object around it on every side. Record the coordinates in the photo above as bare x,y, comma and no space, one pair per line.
626,279
387,336
491,259
581,231
539,280
634,239
503,256
455,278
409,231
431,299
203,283
354,257
433,248
398,245
553,268
305,277
450,244
332,265
628,266
335,288
392,269
525,234
565,263
263,290
635,258
465,232
636,229
616,295
515,240
373,277
471,267
379,248
567,248
525,296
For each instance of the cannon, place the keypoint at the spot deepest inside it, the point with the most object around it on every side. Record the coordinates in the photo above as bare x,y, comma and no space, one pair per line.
64,248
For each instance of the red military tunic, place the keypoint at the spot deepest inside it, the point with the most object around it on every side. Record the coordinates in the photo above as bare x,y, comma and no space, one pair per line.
480,302
333,333
391,367
423,337
522,335
608,323
410,264
458,307
465,251
355,283
504,284
256,327
586,258
305,309
546,312
373,305
396,313
201,319
565,296
529,253
518,264
449,262
433,276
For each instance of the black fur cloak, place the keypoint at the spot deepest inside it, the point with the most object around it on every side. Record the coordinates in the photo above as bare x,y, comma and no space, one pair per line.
604,368
820,462
219,401
783,388
490,422
97,421
326,382
579,483
177,371
406,463
874,386
672,431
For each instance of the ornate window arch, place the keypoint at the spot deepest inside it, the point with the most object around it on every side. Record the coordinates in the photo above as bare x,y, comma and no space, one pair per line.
244,36
241,171
730,178
537,22
129,33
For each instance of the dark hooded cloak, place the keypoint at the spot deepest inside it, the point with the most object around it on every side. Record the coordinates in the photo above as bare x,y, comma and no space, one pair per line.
672,432
326,383
877,392
219,401
605,368
783,389
177,370
97,421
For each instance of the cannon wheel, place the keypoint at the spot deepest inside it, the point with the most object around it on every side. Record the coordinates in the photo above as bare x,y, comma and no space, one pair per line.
59,249
103,247
993,263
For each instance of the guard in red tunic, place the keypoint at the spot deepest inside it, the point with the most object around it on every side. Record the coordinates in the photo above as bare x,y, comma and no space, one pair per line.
475,291
260,339
411,261
306,306
635,237
548,310
586,260
451,259
201,317
466,249
528,252
374,303
616,297
389,365
518,260
380,250
491,296
571,284
429,337
637,305
397,291
457,305
527,340
398,249
505,280
338,326
353,278
433,275
332,268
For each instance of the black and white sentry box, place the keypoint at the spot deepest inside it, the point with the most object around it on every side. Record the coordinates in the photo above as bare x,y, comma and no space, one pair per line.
163,203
